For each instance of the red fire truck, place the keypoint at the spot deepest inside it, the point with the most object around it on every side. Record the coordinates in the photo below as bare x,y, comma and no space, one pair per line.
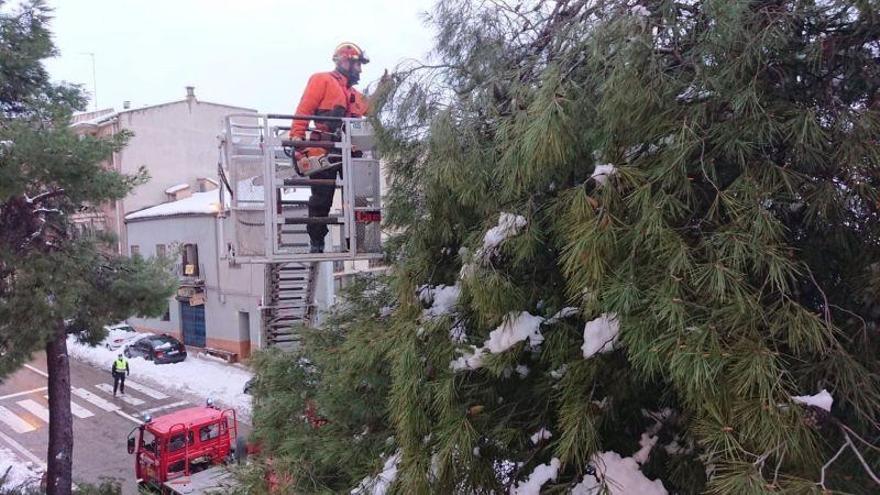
186,452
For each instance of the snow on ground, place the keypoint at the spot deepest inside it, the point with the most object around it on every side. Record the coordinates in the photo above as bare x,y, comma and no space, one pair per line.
621,476
600,335
640,11
822,400
19,474
542,474
380,484
194,376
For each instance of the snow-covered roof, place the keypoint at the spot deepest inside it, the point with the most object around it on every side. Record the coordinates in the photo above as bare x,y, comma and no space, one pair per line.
178,187
93,118
205,203
100,117
208,203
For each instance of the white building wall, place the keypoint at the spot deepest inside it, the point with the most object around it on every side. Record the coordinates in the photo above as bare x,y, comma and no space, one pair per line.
176,142
229,291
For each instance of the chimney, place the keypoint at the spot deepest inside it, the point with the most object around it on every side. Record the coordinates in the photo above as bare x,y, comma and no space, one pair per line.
207,184
190,93
178,192
126,105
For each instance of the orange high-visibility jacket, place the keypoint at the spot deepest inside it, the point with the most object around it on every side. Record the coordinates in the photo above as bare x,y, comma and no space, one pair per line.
327,93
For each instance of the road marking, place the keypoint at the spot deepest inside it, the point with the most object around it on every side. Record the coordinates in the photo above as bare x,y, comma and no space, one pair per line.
35,408
130,418
78,410
26,392
36,370
95,400
23,451
167,406
15,422
106,387
146,390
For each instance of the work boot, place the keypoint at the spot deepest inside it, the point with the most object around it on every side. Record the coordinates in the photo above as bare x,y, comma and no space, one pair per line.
316,248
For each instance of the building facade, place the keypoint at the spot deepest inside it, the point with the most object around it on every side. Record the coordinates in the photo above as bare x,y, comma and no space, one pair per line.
175,142
218,304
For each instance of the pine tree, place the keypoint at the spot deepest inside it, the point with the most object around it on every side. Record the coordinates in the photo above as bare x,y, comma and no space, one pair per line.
49,274
658,222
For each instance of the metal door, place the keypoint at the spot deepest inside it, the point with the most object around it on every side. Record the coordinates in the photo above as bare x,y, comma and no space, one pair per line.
192,319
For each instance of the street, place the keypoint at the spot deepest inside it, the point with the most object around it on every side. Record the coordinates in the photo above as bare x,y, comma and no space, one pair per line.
101,422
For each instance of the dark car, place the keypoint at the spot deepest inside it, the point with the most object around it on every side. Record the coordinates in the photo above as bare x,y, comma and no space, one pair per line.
249,386
160,349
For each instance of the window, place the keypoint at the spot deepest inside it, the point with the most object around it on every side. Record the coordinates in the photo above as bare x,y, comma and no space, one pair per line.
209,432
191,260
176,442
338,266
135,250
149,442
160,250
167,315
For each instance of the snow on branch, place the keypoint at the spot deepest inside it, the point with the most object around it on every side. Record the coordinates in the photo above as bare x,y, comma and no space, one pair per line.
382,482
540,435
442,299
602,172
616,475
509,225
822,400
542,474
516,328
600,335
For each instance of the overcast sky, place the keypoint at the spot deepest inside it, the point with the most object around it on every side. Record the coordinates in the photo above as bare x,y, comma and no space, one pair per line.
251,53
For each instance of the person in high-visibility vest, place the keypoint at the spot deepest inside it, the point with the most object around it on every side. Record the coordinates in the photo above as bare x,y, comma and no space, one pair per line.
119,369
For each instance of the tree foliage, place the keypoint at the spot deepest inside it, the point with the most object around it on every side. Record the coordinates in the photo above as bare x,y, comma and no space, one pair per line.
49,272
705,172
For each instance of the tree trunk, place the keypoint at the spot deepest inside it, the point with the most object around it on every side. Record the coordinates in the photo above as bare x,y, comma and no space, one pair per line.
59,476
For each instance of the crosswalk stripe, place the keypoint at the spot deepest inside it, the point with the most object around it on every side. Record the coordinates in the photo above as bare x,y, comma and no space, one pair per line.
26,392
106,387
35,408
166,406
78,410
15,422
145,390
95,400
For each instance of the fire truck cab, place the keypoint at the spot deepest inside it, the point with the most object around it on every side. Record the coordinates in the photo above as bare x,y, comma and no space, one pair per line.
186,451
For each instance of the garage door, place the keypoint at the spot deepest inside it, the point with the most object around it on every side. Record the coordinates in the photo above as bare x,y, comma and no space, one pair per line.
193,321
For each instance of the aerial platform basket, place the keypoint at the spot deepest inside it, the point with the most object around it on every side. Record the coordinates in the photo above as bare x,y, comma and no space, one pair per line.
266,197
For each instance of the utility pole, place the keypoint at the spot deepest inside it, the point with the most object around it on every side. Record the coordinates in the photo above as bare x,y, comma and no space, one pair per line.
94,79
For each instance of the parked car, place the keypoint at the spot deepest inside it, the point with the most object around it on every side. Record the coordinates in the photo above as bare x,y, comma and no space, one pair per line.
160,349
119,336
249,386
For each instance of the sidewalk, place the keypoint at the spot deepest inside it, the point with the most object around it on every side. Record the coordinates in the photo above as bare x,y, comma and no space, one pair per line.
195,376
19,474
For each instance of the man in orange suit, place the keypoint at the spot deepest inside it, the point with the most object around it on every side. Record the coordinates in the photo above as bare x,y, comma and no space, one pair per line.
330,94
